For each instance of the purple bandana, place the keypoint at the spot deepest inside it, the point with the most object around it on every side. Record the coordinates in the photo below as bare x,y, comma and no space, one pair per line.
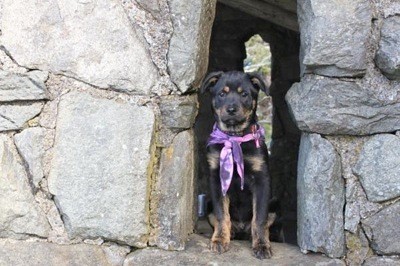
232,154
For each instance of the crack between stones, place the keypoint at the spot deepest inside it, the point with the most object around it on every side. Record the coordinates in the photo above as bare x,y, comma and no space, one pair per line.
4,49
28,234
133,24
152,214
35,83
342,78
26,168
8,119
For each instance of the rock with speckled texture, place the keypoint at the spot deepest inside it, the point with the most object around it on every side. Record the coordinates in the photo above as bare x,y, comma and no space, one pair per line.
378,167
92,41
321,195
99,175
334,36
388,55
20,216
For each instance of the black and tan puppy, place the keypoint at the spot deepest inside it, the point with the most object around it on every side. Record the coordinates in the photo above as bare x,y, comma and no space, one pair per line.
238,162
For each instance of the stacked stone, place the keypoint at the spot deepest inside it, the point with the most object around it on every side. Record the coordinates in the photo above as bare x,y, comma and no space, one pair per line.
96,146
348,107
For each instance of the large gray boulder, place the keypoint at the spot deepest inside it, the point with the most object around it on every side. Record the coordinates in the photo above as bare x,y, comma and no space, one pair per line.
378,167
188,52
90,41
331,106
388,55
320,188
99,175
174,194
16,87
382,229
334,36
20,216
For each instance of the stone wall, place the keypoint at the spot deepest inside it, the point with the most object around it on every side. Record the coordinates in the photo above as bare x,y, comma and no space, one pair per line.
347,106
232,28
98,102
96,141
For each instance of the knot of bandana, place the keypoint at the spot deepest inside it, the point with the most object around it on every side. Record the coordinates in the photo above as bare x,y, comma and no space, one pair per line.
231,154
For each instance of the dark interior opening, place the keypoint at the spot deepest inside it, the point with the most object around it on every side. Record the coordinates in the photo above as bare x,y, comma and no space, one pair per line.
232,28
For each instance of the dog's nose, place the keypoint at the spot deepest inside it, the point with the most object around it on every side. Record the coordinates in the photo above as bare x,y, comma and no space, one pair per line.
231,110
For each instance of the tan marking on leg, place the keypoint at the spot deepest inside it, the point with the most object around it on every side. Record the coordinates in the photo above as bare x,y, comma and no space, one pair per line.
213,160
261,247
222,230
254,232
212,220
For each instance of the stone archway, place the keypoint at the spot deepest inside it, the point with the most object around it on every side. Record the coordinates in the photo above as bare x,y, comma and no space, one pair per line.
234,24
344,95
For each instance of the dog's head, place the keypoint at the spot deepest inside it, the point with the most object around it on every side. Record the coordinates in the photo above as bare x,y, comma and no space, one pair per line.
234,98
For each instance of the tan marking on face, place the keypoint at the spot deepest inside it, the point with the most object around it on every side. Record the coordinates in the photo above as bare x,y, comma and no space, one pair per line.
240,90
213,160
226,89
256,162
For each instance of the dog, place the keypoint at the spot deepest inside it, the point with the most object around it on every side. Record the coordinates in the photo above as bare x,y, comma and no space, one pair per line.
237,158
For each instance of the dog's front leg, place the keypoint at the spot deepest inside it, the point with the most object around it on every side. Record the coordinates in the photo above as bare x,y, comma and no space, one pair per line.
222,222
259,225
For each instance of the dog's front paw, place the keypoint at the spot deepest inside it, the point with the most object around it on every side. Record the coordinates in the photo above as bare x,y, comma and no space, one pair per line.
219,246
262,251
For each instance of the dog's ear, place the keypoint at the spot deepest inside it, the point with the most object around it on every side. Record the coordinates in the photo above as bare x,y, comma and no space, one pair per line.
258,82
210,80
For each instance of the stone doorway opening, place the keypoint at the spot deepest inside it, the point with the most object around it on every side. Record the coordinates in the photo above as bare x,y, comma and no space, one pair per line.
235,23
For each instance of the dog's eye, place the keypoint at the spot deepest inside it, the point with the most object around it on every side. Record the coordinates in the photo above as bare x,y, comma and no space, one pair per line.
245,94
221,94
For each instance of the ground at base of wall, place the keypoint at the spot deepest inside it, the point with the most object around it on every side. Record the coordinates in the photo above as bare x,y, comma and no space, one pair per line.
197,253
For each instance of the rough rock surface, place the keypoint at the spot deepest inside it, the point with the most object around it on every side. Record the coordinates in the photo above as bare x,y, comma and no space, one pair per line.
240,253
100,168
334,36
20,216
14,116
178,113
40,253
30,144
382,261
378,167
388,55
320,197
332,106
357,248
175,193
15,87
188,52
357,205
382,230
91,41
